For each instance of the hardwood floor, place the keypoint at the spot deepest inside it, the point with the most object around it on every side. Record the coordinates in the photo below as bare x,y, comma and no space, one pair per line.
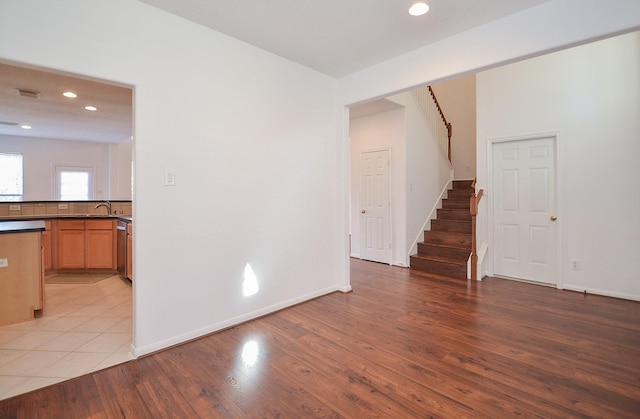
400,345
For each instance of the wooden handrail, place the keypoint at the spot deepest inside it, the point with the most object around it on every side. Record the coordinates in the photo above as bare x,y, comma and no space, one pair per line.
473,209
444,119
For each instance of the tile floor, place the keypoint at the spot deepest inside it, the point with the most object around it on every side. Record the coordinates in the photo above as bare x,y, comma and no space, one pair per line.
84,328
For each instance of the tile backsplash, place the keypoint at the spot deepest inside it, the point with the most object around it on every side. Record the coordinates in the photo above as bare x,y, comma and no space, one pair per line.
48,208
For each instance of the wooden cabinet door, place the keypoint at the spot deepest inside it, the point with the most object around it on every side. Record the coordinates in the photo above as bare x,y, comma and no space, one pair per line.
71,244
21,279
100,245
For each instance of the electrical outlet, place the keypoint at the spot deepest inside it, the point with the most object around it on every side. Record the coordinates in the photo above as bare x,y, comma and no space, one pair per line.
15,207
4,262
575,265
63,206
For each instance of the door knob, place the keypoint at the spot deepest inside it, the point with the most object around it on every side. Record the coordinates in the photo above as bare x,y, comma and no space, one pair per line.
363,211
553,218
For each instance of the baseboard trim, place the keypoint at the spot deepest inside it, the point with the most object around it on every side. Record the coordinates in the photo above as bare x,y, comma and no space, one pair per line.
604,293
225,324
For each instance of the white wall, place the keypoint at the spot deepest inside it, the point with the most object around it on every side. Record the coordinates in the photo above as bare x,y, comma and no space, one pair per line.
552,25
420,172
590,97
457,97
254,141
121,157
428,173
41,156
255,138
382,131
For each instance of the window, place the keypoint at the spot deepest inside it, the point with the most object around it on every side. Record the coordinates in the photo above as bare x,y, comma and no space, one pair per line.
74,183
10,177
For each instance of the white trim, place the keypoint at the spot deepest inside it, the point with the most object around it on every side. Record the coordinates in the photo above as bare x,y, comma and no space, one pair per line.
600,292
481,254
345,142
59,168
559,187
389,250
215,327
436,206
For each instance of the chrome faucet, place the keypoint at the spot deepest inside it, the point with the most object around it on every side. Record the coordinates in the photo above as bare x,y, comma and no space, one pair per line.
105,204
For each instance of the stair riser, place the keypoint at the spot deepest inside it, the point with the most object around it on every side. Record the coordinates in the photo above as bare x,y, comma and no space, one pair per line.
453,226
462,184
455,203
445,249
453,214
440,268
459,193
446,238
443,252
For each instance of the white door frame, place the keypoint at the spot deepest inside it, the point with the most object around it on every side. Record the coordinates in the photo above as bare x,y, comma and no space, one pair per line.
559,193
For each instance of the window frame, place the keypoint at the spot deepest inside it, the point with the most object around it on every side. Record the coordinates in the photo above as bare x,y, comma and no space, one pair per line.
59,169
16,197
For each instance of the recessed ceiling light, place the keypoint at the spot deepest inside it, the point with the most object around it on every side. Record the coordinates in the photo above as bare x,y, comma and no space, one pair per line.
69,94
91,108
25,126
418,9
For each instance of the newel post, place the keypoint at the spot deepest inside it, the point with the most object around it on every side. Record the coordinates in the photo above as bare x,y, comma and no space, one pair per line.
473,208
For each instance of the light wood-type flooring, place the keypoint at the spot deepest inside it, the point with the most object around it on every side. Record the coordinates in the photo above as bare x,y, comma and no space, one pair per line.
401,345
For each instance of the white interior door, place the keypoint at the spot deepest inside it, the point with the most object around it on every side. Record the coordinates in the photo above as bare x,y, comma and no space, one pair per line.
524,206
375,223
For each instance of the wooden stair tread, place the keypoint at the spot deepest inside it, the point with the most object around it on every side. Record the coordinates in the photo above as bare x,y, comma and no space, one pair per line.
456,261
445,250
443,245
434,276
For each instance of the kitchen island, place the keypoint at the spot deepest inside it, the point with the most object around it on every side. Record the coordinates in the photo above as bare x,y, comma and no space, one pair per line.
21,270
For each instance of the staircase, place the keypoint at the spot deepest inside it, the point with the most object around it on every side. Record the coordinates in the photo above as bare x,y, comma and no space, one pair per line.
447,246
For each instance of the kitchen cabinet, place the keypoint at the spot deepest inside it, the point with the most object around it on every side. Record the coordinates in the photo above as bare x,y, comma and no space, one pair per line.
86,244
21,271
100,250
71,244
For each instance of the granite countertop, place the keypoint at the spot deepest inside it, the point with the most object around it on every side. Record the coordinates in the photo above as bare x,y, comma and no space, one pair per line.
8,218
21,226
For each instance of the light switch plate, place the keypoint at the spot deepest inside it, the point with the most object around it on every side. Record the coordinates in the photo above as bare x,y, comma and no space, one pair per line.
4,262
169,178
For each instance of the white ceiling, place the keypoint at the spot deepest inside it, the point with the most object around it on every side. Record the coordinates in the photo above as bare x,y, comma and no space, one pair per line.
335,37
54,116
339,37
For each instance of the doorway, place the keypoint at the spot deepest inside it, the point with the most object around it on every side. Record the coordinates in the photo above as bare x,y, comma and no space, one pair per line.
375,219
524,186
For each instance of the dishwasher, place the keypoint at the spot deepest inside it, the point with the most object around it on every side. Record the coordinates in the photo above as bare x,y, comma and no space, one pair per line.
122,249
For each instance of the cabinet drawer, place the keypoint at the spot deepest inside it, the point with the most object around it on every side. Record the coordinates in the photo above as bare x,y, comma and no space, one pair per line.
71,225
99,224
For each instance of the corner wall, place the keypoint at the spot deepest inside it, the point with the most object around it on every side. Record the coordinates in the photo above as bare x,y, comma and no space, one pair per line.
41,156
590,97
457,97
253,139
428,172
382,131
